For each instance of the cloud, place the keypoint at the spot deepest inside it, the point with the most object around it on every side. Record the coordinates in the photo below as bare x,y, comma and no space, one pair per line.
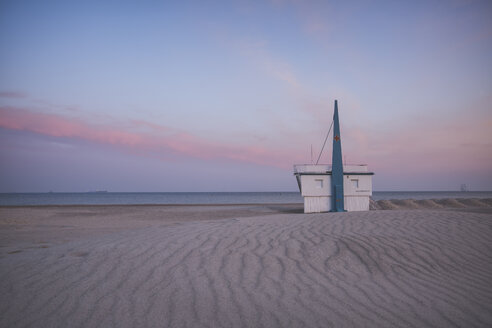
139,137
258,52
12,94
410,150
454,144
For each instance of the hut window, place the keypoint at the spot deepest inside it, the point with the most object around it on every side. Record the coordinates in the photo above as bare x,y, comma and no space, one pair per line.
355,183
319,183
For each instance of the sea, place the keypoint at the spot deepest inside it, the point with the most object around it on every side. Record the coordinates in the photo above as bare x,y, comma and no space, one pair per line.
187,198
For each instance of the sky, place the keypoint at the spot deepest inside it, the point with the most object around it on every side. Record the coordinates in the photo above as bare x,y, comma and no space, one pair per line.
185,96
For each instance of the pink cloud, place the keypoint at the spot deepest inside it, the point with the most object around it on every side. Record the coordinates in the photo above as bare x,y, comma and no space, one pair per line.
58,126
154,139
411,150
455,144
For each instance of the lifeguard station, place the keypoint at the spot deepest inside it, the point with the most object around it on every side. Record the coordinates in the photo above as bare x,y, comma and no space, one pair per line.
335,187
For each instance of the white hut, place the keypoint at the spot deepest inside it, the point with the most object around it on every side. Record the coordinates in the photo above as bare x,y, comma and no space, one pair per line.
315,185
336,187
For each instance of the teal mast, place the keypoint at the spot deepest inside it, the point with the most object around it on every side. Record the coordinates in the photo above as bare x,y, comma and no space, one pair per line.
337,166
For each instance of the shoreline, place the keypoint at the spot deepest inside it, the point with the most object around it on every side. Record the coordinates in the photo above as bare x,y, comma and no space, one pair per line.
383,204
150,205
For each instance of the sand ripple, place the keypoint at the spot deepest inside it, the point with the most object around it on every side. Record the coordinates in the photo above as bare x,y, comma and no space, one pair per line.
367,269
406,204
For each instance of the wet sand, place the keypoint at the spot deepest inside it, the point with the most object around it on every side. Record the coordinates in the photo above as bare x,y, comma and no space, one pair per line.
246,266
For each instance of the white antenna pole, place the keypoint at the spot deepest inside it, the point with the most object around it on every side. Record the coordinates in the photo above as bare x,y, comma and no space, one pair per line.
311,153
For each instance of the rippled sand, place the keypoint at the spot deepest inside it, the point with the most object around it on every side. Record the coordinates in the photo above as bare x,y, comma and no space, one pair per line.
406,204
244,266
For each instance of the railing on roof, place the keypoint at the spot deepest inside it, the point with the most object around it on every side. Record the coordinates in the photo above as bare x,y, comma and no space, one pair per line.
312,168
323,168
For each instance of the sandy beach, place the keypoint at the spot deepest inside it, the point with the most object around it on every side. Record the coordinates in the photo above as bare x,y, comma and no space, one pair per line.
407,264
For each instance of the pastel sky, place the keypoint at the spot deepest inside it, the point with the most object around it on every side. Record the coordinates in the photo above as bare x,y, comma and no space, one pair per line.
228,95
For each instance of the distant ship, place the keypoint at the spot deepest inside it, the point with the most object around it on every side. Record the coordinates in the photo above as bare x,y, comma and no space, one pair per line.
97,192
464,187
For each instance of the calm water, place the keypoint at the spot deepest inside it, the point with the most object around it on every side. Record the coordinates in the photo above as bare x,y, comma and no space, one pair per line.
205,197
